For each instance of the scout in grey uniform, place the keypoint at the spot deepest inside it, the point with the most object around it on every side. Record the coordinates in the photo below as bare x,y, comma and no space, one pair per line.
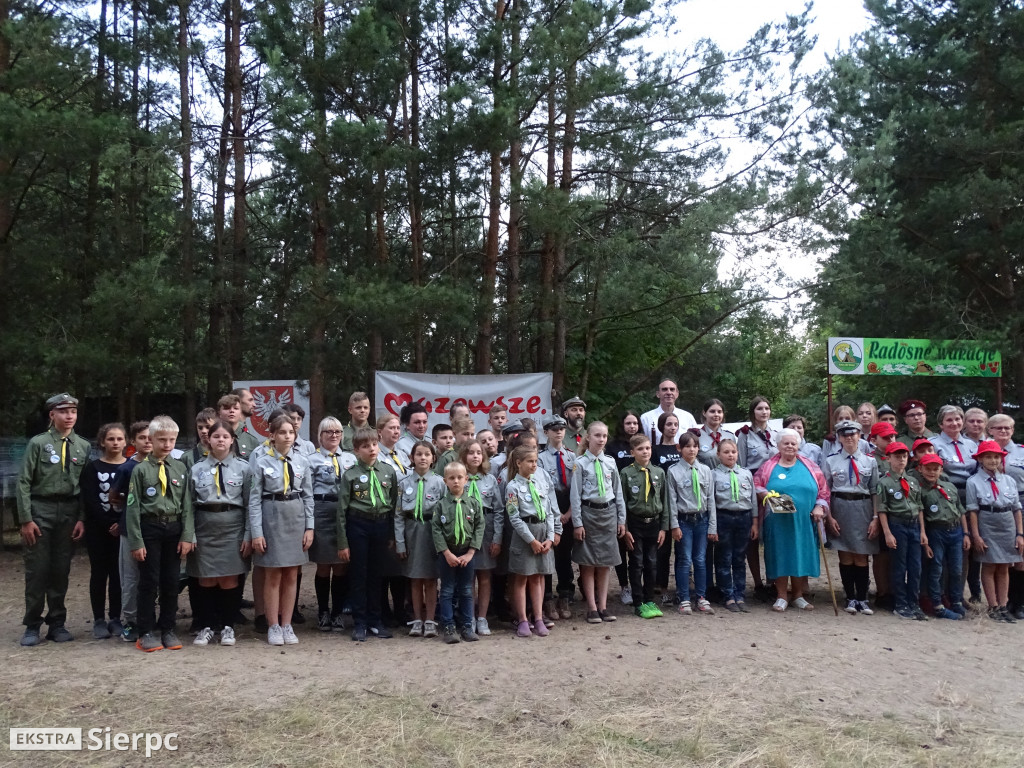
220,503
735,513
327,465
710,433
418,495
50,517
483,487
852,478
414,420
558,463
955,449
692,504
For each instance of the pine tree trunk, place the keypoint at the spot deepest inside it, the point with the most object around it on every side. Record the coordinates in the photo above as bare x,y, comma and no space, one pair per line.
318,376
217,370
239,236
188,326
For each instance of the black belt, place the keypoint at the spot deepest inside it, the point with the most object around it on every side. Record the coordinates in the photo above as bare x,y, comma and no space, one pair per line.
149,517
375,516
218,507
325,497
281,496
733,511
427,517
529,520
691,517
644,520
990,508
597,505
851,496
944,526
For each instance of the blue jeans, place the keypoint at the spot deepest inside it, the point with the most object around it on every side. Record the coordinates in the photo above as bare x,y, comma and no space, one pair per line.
948,549
367,543
905,564
692,550
456,591
731,554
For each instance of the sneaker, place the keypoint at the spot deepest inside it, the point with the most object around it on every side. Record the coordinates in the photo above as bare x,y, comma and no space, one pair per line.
204,637
275,635
903,613
550,612
863,607
668,599
227,636
297,617
450,635
130,633
945,613
429,628
482,627
732,607
289,635
171,641
382,632
359,635
654,611
564,611
742,605
469,635
115,628
1005,613
260,624
539,628
704,606
994,614
338,622
323,621
626,595
100,630
523,629
605,616
920,615
149,643
415,628
685,608
851,607
959,608
593,617
59,634
31,637
641,611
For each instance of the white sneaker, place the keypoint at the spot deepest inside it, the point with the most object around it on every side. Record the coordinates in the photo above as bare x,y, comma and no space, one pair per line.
851,606
429,628
482,627
416,628
863,607
626,596
204,637
275,635
685,609
704,606
289,635
227,636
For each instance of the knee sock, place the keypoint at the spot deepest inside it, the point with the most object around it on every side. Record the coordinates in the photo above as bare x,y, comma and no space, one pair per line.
202,608
846,573
229,603
1016,594
298,588
322,585
195,601
238,592
862,580
339,593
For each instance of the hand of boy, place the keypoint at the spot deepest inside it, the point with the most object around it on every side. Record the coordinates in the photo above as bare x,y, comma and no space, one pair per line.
184,547
873,528
629,541
890,541
78,532
307,540
139,555
661,538
620,531
259,544
467,558
114,530
967,542
677,534
928,552
30,533
451,559
566,518
343,555
712,537
753,530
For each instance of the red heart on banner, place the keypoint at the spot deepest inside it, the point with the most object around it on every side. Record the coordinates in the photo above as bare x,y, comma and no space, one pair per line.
394,403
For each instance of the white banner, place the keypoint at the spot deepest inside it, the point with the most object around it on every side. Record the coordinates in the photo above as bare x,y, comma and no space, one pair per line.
523,395
272,394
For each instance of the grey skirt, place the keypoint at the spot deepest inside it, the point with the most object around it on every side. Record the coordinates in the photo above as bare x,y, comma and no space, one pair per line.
324,550
218,538
482,560
419,544
284,523
854,517
999,530
601,546
521,558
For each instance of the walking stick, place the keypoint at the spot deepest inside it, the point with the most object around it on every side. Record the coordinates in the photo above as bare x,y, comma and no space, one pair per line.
820,532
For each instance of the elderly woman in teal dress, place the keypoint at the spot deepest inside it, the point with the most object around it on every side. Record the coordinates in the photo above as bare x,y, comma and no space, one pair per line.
790,546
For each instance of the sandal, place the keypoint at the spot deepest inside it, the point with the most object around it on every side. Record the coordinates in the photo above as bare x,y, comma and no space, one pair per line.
780,605
802,604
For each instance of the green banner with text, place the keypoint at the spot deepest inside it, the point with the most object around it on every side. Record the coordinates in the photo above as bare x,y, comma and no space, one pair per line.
855,355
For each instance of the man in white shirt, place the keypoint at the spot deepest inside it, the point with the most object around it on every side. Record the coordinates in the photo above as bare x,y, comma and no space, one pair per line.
667,394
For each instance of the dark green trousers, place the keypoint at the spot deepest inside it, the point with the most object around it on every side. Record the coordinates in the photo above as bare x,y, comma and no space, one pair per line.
48,561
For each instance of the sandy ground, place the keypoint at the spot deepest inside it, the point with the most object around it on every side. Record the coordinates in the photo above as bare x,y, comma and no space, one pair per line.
941,681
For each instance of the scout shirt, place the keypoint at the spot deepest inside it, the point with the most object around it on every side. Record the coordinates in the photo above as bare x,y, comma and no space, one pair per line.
457,525
981,497
404,446
148,498
831,446
327,468
484,488
395,459
811,451
519,504
245,442
709,440
584,487
444,460
348,435
846,473
358,496
755,447
558,464
908,439
216,482
958,467
1013,465
895,501
48,475
942,505
433,488
738,496
193,457
267,473
645,490
683,496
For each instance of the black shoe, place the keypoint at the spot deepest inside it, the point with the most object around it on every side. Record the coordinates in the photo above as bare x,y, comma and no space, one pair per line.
469,635
100,630
240,618
359,634
450,636
31,637
246,603
1007,617
260,624
130,634
297,617
59,634
323,622
382,632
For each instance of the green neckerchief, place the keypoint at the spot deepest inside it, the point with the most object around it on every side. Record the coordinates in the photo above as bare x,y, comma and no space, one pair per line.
460,524
696,485
734,485
418,510
538,507
599,471
473,490
375,487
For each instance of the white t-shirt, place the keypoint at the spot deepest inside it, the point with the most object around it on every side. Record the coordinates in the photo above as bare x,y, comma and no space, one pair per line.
649,423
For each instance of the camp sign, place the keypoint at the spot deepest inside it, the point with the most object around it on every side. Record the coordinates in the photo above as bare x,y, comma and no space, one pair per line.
912,357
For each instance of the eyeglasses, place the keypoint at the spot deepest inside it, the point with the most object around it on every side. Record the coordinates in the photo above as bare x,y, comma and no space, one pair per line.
993,429
330,432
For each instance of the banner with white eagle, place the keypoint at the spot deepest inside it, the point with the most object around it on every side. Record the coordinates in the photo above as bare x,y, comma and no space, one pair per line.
269,395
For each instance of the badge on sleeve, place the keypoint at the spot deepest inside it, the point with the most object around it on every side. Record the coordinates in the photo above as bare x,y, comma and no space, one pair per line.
131,498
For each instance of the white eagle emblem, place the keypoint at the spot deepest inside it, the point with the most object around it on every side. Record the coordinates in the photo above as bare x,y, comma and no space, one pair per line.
266,400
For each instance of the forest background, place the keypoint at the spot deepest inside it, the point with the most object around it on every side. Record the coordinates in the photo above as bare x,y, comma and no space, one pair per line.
193,192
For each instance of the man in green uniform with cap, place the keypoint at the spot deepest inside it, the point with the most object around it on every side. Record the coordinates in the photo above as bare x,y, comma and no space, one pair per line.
50,518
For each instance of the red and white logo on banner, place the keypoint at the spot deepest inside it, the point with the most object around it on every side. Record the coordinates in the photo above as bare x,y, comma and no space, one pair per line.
267,400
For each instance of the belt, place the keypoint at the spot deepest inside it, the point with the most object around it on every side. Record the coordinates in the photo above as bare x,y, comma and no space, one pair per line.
325,497
944,526
903,520
991,508
149,517
644,520
691,516
733,511
597,504
427,517
362,515
281,496
529,520
218,507
850,496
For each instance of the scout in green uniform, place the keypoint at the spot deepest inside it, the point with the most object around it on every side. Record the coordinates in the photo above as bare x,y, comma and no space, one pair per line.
465,431
160,534
229,409
574,411
443,438
359,411
50,517
647,523
915,417
898,508
458,532
945,520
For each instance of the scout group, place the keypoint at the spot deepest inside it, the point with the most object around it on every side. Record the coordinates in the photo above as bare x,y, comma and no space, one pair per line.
386,512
